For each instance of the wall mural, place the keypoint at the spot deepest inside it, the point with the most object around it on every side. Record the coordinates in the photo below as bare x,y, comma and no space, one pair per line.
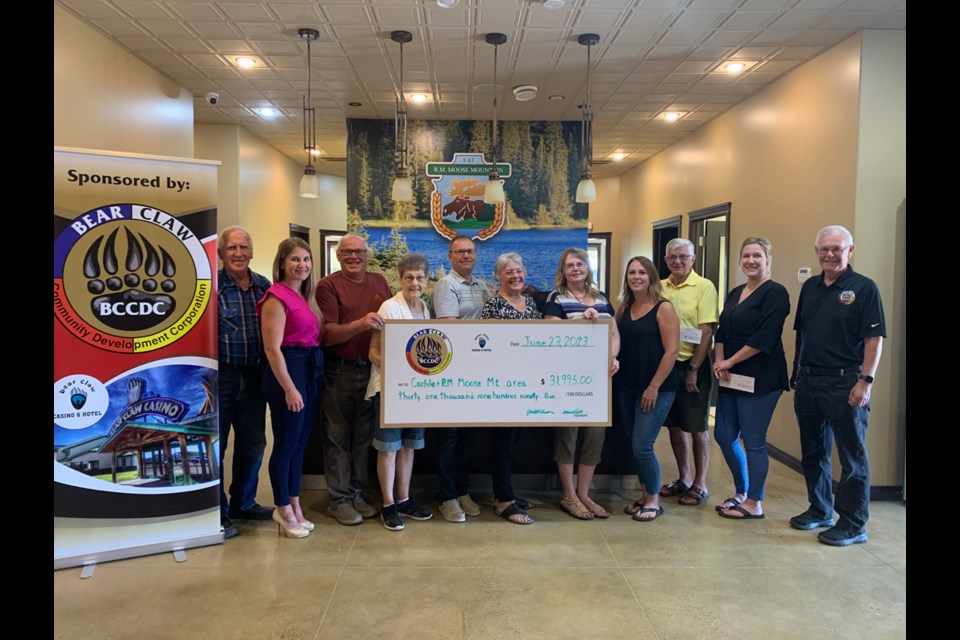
449,162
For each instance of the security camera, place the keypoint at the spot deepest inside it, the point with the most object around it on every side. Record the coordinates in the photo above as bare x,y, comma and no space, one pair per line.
212,97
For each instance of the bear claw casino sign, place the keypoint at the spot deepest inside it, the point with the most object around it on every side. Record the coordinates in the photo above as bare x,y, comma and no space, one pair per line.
129,278
456,204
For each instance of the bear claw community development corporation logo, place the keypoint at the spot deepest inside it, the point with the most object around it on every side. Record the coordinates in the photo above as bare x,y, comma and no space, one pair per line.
129,278
429,351
456,204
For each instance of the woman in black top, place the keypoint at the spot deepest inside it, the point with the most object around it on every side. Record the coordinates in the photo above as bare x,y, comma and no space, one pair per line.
645,386
510,303
748,343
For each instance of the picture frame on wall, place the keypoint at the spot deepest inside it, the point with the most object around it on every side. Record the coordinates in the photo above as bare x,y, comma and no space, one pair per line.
598,253
328,249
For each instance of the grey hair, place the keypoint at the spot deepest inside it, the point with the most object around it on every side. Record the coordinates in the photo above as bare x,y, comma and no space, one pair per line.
226,232
834,228
680,242
503,260
347,236
413,262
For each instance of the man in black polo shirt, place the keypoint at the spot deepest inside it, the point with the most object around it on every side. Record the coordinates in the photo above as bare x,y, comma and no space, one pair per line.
840,330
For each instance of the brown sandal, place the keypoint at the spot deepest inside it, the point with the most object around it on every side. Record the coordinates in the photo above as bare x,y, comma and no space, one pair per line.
594,508
575,508
673,489
694,497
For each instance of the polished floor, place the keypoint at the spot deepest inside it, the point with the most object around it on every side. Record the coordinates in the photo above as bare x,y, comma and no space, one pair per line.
689,575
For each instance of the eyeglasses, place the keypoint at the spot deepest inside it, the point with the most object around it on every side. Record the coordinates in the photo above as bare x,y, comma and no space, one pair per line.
681,258
352,252
463,252
413,278
513,272
574,265
836,251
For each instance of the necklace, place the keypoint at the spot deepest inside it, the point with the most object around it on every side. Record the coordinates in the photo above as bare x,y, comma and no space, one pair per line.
582,300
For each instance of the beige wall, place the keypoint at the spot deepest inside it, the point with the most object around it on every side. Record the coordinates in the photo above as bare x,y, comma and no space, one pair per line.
789,160
222,142
104,98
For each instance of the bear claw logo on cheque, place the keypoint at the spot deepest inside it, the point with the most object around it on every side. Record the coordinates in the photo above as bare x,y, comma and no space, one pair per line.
429,351
129,278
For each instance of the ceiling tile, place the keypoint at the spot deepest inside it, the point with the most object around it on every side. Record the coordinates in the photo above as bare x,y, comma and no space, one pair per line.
698,20
140,9
750,19
728,38
678,38
93,9
120,28
214,29
166,27
796,19
864,20
245,12
647,19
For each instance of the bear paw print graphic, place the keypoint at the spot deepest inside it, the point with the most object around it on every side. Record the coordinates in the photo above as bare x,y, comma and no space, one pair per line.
138,300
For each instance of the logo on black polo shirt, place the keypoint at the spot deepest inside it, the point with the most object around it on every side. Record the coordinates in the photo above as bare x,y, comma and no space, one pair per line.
847,297
429,351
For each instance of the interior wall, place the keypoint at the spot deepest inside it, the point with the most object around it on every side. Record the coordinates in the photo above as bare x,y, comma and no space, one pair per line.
269,200
104,98
222,142
787,161
622,228
880,250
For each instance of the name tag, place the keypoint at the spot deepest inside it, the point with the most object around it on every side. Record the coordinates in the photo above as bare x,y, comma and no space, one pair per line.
738,382
690,335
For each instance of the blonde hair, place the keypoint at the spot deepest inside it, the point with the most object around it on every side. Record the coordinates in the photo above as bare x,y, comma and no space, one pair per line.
560,279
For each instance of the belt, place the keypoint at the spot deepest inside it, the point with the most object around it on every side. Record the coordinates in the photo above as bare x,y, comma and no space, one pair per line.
355,362
817,371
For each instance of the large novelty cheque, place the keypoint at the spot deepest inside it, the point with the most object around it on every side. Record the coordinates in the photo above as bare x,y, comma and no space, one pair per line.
441,373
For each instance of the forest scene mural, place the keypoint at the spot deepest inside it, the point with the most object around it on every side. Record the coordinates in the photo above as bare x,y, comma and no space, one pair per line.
449,162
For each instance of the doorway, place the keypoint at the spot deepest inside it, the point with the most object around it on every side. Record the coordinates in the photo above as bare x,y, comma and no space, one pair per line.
663,232
710,234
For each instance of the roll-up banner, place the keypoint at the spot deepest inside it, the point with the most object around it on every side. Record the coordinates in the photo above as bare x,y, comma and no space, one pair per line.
135,432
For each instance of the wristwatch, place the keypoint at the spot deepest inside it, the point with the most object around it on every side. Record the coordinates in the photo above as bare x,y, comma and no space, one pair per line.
867,379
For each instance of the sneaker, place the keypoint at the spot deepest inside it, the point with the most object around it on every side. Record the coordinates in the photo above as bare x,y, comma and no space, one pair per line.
255,512
390,516
451,511
469,507
229,529
809,520
837,537
411,509
344,513
364,508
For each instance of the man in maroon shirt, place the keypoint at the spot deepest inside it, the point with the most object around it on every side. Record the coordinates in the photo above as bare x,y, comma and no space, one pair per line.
349,300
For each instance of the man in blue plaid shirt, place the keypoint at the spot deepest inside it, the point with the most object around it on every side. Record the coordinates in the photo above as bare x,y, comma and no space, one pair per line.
240,396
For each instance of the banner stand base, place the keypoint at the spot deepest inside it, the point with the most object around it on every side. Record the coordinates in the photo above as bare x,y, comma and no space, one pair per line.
177,547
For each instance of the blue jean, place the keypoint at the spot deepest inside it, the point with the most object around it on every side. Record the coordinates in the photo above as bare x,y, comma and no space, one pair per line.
291,429
240,404
642,430
348,423
390,440
823,416
454,452
747,416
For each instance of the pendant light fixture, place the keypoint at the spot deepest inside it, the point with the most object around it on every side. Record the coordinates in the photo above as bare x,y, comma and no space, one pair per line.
309,185
493,193
402,189
586,189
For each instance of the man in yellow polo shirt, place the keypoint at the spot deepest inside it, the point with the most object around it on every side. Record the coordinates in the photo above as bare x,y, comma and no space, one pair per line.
695,300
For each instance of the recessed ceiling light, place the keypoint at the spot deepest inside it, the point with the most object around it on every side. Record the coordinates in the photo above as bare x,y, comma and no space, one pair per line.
488,87
267,112
447,4
735,67
354,104
315,152
554,4
556,97
672,116
618,156
246,63
418,97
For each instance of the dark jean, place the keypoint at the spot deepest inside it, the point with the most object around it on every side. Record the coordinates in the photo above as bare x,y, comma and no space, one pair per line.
823,416
454,452
742,415
348,424
504,443
291,429
642,430
240,403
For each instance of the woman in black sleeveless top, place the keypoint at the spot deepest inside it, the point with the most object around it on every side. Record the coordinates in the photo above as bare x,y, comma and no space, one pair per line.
645,387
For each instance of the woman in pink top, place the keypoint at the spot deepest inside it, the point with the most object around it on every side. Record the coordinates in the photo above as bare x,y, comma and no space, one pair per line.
291,328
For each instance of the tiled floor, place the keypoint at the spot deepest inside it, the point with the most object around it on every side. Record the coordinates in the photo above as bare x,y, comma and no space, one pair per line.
688,575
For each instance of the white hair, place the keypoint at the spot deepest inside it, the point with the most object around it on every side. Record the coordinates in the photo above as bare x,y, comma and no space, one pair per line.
832,229
676,243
